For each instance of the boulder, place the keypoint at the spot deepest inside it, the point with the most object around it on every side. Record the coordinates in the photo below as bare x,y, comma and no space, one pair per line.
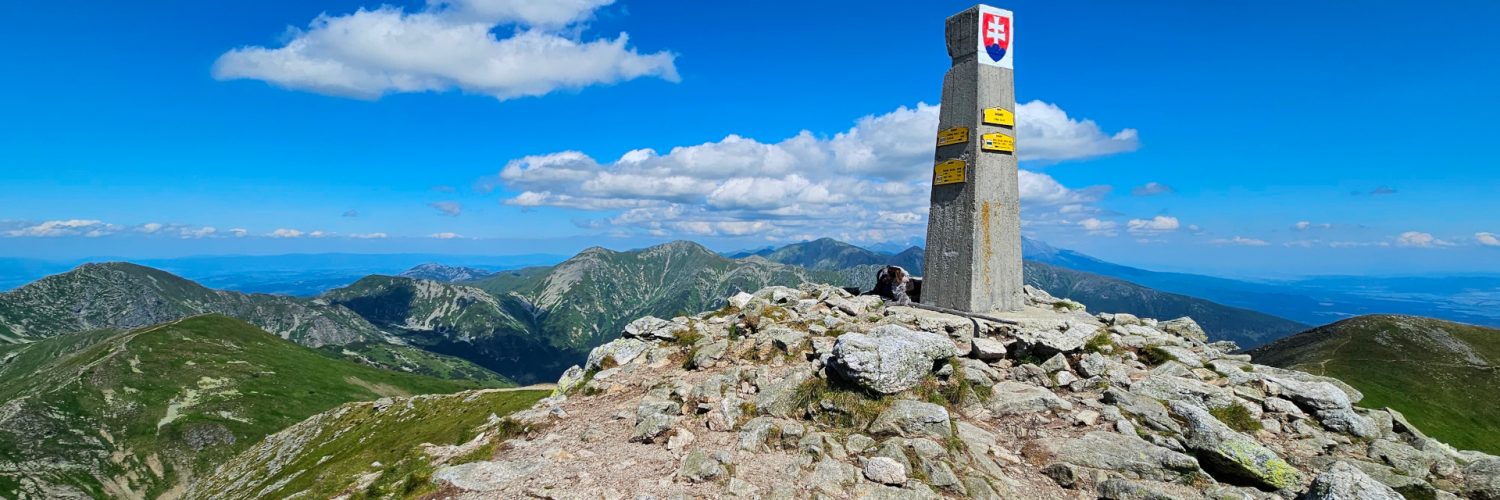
1116,488
740,300
908,418
1230,456
890,359
699,466
1482,479
653,417
787,339
570,379
653,328
988,349
615,353
1017,398
1184,327
485,476
1045,342
1130,456
1346,482
1170,388
885,471
707,355
832,477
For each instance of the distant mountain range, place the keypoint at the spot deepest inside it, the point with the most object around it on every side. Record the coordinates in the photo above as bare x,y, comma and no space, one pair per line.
136,413
122,296
1439,373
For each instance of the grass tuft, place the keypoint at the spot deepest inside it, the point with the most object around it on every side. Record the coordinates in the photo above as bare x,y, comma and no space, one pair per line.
1236,417
1100,343
1154,355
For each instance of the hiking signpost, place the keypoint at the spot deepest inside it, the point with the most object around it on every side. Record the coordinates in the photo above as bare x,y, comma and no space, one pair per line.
973,256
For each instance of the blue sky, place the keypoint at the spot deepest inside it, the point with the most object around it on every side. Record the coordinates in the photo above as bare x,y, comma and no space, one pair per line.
1282,138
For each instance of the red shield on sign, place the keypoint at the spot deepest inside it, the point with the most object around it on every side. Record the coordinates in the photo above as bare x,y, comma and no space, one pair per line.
994,31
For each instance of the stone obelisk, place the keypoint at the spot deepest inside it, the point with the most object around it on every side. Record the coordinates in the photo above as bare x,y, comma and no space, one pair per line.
973,258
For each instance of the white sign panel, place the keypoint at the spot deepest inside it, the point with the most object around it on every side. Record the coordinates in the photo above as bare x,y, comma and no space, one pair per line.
996,37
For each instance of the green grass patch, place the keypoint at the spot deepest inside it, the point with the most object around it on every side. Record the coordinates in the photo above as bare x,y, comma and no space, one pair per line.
1236,417
688,338
1101,343
852,406
1154,355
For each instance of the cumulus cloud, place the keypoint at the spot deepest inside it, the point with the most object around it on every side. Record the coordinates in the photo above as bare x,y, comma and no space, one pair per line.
1152,189
868,182
1240,241
286,233
445,236
1487,239
1418,239
88,228
239,232
190,233
1158,224
448,45
368,236
448,208
1097,227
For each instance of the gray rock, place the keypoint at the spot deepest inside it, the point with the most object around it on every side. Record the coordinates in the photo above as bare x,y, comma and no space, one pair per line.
1312,396
913,419
653,417
1055,364
1230,456
484,476
740,300
1184,327
740,488
698,466
1167,388
779,398
890,359
755,432
1128,455
570,379
1348,421
885,471
707,355
1346,482
615,353
859,443
1116,488
1149,411
1482,479
988,349
1016,398
1047,342
652,328
832,477
787,339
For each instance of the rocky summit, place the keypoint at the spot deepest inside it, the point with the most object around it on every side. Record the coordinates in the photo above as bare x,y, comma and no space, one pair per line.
815,393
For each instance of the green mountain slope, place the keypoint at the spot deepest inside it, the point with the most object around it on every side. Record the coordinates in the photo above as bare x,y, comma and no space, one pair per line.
138,413
367,450
531,324
1440,374
121,295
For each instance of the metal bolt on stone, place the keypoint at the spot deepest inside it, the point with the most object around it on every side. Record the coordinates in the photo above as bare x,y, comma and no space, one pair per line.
973,260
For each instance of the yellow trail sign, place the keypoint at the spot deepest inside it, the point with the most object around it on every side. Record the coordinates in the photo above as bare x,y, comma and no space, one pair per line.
948,172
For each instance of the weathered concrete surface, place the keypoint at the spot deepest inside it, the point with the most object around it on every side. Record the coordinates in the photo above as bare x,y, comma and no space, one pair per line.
973,258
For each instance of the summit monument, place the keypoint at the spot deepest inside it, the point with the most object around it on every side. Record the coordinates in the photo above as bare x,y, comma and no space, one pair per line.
973,260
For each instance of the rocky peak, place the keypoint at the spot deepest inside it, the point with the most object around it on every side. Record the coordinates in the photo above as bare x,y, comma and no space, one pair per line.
795,393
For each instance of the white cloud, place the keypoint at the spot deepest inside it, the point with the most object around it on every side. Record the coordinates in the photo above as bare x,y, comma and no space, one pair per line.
1487,239
286,233
1152,189
368,236
1158,224
150,227
189,233
239,232
1240,241
1308,226
445,236
872,179
1417,239
1098,227
448,208
1046,133
88,228
448,45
